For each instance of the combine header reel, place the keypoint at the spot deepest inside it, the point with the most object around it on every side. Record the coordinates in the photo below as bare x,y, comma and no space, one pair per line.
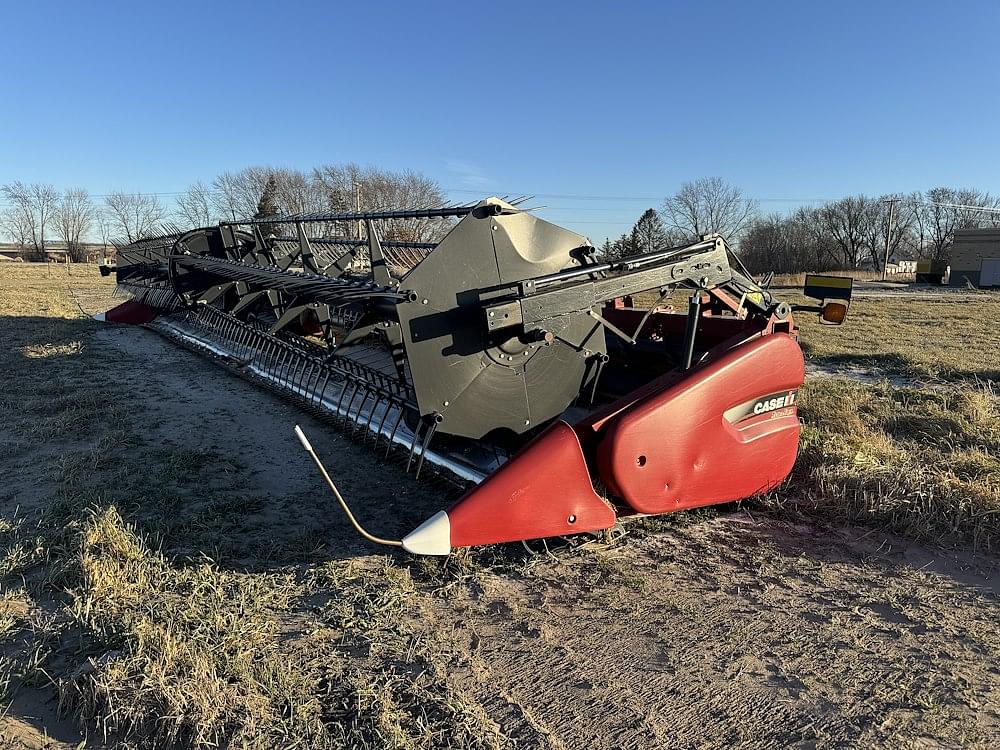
507,357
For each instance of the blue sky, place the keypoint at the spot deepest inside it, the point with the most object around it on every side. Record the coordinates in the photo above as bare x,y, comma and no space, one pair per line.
600,109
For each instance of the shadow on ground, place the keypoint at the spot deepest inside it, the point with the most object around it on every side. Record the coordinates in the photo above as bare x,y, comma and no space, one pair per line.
205,463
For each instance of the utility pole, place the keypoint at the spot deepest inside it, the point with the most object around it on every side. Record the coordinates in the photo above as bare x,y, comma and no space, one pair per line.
888,235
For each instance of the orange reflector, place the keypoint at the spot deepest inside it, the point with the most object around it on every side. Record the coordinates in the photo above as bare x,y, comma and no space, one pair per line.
834,312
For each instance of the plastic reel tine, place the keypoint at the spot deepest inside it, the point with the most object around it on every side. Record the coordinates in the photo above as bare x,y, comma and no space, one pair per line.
239,339
291,360
277,352
361,407
243,336
283,365
392,434
431,428
413,445
346,411
259,347
300,373
354,412
381,424
279,369
376,400
250,346
317,389
343,392
371,415
322,390
304,373
262,343
296,367
295,364
272,358
247,350
266,356
308,386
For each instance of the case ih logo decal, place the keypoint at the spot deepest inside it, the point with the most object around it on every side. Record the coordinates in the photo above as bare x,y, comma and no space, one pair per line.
778,402
764,405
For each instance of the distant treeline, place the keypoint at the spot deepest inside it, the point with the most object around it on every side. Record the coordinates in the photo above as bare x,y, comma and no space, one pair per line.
32,215
848,234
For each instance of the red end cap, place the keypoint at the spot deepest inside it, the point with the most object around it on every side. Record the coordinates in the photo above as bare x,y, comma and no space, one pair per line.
131,312
544,490
677,448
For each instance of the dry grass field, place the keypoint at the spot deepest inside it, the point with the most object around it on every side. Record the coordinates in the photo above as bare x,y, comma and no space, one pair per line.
174,575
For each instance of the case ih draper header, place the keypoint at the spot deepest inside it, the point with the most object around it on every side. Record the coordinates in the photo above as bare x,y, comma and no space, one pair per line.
508,357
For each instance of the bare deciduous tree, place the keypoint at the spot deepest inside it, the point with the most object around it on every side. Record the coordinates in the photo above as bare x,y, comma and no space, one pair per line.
45,201
706,206
102,225
846,221
73,220
19,218
236,194
16,225
194,205
946,211
134,215
30,213
336,188
296,192
781,244
342,185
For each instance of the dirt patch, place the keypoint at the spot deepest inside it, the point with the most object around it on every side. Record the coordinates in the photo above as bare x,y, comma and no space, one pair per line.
737,631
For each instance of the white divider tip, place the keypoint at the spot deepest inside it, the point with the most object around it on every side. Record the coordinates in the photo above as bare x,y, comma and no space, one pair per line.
302,438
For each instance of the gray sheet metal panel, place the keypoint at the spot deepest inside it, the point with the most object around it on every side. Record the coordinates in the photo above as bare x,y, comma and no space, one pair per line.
476,384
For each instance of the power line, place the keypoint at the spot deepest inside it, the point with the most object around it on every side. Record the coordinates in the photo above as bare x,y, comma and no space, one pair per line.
961,206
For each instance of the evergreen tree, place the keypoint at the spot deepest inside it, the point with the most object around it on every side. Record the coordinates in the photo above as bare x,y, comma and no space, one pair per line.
623,247
649,233
267,206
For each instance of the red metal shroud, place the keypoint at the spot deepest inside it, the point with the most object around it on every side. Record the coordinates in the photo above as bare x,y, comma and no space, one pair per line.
675,448
542,491
131,312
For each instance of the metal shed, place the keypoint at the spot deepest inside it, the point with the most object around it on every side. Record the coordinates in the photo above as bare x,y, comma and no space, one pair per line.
975,257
